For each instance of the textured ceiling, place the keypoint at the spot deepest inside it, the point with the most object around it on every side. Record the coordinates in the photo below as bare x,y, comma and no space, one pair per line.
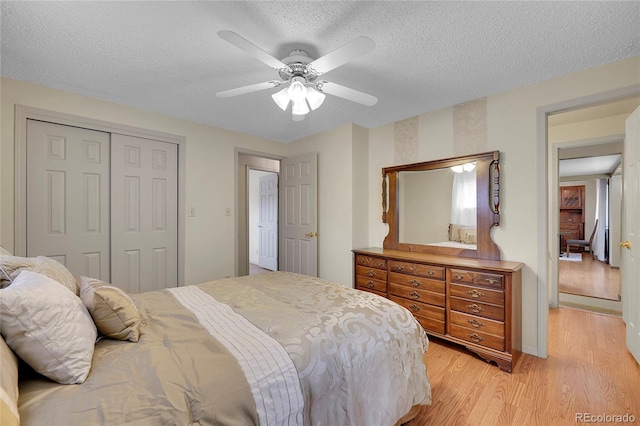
166,56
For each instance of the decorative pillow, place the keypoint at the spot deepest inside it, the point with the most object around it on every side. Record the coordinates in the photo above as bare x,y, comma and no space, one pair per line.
468,236
48,327
9,415
113,311
454,232
13,265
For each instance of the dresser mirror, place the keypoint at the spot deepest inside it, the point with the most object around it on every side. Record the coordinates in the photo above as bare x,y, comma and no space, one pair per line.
444,207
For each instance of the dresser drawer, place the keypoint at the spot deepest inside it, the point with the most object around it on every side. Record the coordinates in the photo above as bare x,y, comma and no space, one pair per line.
430,317
478,337
477,308
366,283
371,262
365,271
417,294
477,323
417,282
480,294
477,278
421,270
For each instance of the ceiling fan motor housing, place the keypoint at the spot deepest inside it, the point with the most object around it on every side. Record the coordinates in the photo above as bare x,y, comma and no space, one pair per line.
297,62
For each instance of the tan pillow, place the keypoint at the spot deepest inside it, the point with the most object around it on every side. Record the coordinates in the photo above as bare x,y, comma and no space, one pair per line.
468,236
114,313
11,266
9,414
454,232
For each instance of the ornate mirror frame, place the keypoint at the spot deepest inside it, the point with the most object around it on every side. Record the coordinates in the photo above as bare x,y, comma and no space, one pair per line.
487,205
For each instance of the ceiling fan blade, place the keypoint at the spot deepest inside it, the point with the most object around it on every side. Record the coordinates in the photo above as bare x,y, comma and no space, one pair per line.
348,94
248,89
253,50
342,55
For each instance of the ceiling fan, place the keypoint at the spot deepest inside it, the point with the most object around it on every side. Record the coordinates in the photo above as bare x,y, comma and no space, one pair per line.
299,75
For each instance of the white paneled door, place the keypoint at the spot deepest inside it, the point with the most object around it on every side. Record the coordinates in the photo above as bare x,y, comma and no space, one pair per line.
630,259
268,222
298,214
68,197
144,213
103,204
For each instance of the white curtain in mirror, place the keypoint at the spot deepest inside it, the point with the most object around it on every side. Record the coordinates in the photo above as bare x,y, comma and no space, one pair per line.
463,199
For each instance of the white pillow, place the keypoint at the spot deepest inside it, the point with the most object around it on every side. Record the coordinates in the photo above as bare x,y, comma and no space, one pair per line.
48,327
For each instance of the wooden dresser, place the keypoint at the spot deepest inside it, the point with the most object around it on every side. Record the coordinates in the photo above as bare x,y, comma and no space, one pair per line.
472,302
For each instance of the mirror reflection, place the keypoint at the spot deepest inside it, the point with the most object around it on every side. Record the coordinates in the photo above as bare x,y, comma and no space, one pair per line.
438,207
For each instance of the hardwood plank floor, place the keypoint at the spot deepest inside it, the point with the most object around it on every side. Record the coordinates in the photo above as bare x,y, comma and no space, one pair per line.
590,278
589,370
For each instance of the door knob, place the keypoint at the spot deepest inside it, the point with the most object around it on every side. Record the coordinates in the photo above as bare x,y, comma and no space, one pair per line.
311,234
626,244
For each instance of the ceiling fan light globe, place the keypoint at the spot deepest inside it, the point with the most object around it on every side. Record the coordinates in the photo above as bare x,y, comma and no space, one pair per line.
297,117
300,107
315,98
282,98
297,91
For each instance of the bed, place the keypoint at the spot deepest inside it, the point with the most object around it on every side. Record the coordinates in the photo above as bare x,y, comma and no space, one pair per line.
274,348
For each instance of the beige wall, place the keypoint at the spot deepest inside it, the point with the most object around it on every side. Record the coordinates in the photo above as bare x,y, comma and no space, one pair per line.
603,127
210,156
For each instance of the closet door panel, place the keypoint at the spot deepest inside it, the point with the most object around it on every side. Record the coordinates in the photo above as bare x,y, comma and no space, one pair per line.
68,197
144,211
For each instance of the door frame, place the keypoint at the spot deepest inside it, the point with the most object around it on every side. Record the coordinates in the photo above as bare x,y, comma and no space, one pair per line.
24,113
547,245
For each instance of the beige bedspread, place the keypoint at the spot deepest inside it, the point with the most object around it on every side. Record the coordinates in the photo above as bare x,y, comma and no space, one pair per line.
358,358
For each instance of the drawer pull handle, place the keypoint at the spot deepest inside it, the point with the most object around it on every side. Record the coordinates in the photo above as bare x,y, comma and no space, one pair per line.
475,337
491,280
371,284
475,323
399,268
475,308
414,295
430,272
371,274
475,293
414,308
458,276
415,283
380,264
361,261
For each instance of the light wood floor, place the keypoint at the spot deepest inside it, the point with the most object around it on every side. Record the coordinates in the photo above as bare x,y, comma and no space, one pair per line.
255,269
589,278
589,370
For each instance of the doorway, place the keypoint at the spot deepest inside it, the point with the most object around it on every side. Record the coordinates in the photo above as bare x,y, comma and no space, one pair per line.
248,163
263,221
585,150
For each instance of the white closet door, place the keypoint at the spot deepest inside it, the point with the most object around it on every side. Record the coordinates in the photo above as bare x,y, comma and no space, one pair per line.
68,197
144,214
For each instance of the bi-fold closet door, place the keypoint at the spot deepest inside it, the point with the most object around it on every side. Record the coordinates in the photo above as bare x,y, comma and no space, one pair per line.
103,204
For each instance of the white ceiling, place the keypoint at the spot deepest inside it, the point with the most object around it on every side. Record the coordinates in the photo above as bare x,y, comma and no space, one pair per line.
166,56
589,166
